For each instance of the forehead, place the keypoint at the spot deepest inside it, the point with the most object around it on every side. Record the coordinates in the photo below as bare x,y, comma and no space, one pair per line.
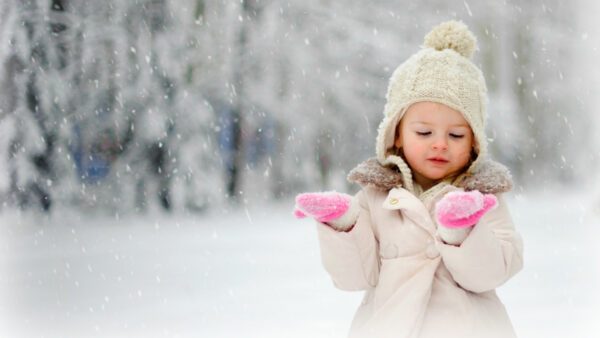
433,113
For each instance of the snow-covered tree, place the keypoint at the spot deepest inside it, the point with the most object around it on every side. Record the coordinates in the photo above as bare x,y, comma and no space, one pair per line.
182,104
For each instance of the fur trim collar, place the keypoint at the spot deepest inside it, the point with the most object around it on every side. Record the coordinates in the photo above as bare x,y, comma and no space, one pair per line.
489,178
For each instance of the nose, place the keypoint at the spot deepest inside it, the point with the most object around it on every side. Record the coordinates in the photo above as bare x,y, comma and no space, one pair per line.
440,144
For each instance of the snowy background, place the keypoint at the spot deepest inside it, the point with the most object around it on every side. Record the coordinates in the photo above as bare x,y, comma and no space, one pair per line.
254,272
150,151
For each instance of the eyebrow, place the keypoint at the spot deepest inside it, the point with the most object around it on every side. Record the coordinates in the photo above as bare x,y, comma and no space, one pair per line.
431,124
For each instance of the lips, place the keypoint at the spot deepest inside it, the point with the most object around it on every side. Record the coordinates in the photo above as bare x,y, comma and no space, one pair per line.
437,160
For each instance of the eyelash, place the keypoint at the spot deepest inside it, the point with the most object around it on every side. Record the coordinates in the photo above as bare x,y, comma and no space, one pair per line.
426,133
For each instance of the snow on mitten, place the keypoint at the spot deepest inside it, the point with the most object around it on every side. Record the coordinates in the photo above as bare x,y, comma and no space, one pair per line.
338,210
458,211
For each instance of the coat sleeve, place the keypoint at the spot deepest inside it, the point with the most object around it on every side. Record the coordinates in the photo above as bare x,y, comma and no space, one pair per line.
489,256
351,258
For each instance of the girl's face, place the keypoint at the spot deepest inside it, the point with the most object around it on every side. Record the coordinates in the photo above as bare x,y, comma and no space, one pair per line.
436,140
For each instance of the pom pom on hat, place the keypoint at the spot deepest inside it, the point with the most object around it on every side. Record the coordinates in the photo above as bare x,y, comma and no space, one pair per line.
453,35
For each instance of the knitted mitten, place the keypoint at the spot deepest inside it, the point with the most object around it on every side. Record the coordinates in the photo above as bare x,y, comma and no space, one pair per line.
340,211
458,211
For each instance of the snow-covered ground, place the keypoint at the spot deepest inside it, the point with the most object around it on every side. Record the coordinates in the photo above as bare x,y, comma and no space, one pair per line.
255,272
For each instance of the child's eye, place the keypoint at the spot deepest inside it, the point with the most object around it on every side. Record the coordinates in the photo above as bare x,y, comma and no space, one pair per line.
423,133
456,135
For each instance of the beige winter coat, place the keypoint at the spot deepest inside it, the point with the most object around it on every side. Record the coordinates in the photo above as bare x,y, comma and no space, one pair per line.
416,285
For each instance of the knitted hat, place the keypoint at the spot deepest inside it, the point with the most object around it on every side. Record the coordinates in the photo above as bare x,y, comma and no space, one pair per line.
440,72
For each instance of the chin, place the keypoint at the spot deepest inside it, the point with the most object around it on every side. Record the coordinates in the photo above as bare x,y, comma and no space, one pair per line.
436,177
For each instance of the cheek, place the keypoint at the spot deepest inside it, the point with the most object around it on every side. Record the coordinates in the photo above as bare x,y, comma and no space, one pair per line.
463,153
413,149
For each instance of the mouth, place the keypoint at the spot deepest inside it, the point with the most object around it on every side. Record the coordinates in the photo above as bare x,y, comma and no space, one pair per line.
437,160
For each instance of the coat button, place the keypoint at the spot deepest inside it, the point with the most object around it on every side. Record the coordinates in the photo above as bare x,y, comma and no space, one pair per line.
390,251
432,252
393,201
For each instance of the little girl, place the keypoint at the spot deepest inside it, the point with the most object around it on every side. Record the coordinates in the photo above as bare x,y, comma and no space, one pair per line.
428,236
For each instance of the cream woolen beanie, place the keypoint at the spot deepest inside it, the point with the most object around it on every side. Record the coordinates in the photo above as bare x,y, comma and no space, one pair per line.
440,72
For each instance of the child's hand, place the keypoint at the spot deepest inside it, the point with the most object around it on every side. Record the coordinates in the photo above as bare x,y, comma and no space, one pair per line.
463,209
334,208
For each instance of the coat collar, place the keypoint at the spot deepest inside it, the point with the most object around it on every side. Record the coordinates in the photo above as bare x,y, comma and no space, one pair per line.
490,177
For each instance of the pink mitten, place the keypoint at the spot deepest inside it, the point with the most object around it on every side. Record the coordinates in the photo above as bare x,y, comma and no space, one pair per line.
460,209
323,206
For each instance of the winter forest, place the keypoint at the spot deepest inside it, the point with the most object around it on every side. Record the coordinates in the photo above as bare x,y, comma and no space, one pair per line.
150,151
